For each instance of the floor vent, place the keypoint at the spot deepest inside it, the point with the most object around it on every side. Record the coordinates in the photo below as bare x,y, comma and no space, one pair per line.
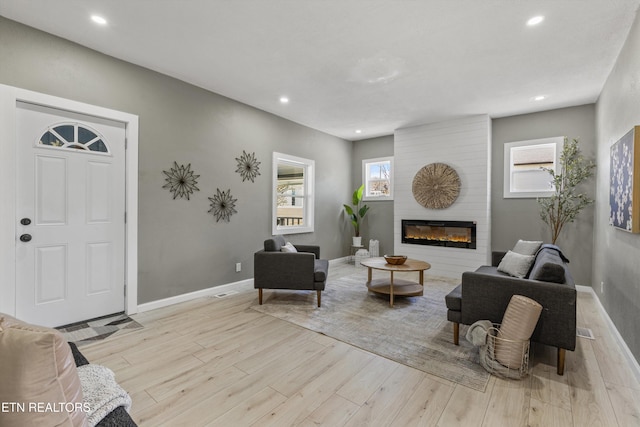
585,333
226,294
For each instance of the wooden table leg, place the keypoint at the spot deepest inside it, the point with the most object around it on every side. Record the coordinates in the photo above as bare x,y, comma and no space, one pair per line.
422,277
369,274
391,290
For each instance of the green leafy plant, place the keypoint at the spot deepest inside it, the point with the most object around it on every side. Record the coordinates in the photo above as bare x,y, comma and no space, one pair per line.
357,211
566,203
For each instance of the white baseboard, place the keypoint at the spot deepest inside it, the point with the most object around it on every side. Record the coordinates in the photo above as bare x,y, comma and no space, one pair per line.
631,360
343,260
242,285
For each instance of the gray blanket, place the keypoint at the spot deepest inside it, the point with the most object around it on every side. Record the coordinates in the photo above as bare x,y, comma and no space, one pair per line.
101,392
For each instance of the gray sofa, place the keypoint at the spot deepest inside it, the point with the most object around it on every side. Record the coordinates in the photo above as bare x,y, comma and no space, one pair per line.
485,293
302,270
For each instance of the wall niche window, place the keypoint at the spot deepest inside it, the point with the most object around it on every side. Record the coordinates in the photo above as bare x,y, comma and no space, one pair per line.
293,196
73,136
377,176
523,163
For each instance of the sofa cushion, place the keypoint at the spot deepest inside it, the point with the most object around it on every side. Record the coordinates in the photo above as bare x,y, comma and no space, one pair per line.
527,247
548,267
454,299
515,264
320,270
38,368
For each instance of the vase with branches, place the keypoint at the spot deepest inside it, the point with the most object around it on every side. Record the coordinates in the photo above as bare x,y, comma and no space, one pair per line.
566,202
357,211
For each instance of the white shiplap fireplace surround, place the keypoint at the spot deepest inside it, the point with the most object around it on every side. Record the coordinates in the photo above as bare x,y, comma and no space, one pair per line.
465,145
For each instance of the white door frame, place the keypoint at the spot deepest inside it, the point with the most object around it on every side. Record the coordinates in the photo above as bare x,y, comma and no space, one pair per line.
9,96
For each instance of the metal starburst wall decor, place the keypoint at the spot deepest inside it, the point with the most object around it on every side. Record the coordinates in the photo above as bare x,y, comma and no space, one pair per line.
248,166
223,205
181,181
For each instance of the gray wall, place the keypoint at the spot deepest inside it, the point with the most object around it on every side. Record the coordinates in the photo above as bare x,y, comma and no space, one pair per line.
514,219
616,252
378,224
181,247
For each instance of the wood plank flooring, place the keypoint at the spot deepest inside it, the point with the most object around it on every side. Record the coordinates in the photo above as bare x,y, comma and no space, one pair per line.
216,362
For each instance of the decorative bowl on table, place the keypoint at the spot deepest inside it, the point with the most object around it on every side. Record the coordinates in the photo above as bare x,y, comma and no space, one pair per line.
395,259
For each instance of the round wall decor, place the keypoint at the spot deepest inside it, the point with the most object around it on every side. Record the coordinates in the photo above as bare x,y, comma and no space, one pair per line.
436,186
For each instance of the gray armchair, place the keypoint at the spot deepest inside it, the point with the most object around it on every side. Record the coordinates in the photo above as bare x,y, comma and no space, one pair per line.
273,269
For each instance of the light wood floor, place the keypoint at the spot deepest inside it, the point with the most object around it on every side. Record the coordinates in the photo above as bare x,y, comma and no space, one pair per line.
216,362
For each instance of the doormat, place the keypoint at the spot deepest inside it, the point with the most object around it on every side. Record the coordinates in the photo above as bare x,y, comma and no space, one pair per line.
89,331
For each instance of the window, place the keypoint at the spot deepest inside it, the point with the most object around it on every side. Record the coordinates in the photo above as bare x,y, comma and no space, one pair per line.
293,196
377,176
74,137
524,176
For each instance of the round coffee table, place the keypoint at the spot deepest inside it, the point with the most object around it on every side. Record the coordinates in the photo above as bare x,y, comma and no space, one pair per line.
393,287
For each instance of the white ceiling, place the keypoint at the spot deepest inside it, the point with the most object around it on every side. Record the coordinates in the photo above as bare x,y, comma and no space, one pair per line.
359,64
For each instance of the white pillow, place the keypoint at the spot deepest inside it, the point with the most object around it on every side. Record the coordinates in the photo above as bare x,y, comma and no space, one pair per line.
288,247
515,264
527,247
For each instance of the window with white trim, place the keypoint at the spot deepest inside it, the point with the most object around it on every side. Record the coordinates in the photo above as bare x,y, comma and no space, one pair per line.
377,177
293,197
73,136
524,167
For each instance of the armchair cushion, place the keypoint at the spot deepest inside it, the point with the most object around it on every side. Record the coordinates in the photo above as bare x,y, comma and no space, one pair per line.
320,270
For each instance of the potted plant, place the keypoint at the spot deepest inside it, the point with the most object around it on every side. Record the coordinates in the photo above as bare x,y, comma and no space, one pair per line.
566,203
357,213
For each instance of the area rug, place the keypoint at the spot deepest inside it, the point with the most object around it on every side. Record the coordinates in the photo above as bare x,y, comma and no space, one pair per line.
415,332
93,330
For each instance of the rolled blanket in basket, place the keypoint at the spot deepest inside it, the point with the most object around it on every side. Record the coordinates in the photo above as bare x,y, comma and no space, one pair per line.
477,333
518,323
102,394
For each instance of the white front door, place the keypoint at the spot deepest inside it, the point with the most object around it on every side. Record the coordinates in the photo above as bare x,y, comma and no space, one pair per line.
70,208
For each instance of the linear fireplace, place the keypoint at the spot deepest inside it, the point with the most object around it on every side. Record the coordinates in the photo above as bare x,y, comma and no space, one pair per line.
454,234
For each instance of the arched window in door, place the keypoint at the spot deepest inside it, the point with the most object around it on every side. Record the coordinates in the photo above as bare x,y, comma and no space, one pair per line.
74,136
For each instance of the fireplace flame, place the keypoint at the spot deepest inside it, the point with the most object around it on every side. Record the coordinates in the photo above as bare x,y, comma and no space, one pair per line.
440,238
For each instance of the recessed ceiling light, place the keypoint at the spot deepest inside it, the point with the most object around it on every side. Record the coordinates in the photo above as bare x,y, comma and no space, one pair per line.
535,20
539,98
284,100
358,131
98,20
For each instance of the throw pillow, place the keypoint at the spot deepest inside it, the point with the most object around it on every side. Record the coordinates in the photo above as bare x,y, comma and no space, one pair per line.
39,376
515,264
527,247
288,247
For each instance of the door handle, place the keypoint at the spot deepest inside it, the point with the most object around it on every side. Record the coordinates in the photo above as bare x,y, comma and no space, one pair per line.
25,221
25,238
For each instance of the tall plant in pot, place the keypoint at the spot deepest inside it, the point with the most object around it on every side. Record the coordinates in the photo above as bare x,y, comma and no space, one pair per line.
356,213
566,202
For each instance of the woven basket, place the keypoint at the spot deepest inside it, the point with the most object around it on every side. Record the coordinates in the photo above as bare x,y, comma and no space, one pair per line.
517,352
